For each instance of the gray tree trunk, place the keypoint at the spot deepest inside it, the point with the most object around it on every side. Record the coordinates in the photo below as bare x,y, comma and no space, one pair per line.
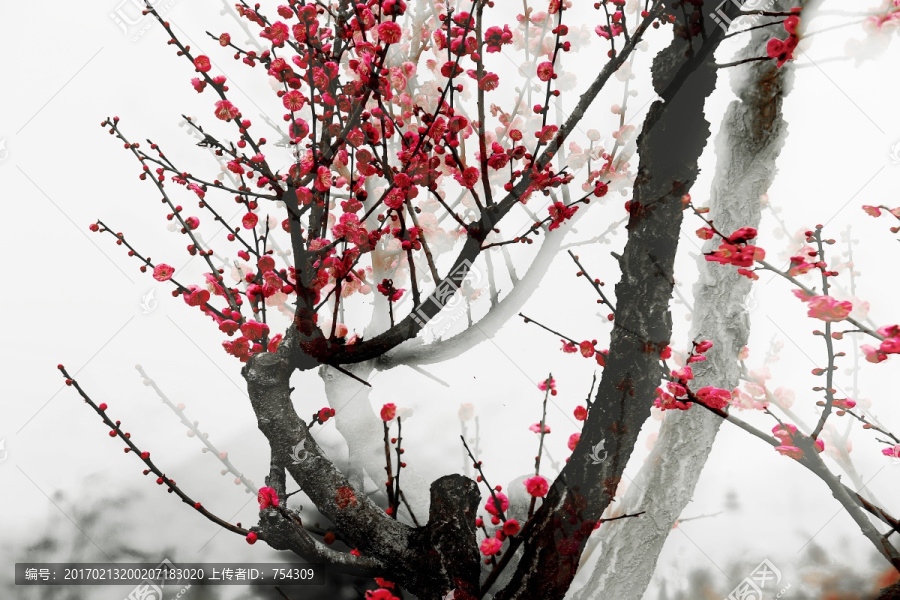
749,142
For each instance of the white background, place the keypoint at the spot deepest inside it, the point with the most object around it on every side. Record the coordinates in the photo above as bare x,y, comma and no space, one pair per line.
74,297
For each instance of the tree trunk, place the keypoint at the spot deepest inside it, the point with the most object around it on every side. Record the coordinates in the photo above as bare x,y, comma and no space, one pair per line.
671,142
430,560
749,142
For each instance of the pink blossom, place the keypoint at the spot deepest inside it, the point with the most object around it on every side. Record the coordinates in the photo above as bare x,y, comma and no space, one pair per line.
580,413
545,71
491,508
542,385
249,220
890,346
705,233
784,397
394,7
587,349
800,266
888,21
322,182
388,412
872,210
714,397
742,235
163,272
801,295
740,255
194,296
494,38
873,355
490,546
666,401
602,31
827,308
267,497
202,64
487,83
785,433
386,287
277,33
511,527
889,331
228,326
537,486
745,401
545,135
265,264
792,451
683,374
293,100
536,427
389,32
704,346
844,403
253,330
573,441
469,177
782,50
893,452
559,213
676,389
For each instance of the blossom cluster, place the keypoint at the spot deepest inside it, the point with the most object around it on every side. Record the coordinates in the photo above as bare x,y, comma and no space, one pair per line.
678,396
352,117
783,50
536,486
587,349
787,434
890,344
735,249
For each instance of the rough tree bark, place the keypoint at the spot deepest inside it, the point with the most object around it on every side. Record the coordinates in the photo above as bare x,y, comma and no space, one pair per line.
429,560
752,134
671,142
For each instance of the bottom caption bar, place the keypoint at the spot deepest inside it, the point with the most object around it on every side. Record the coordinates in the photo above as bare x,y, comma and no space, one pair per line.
166,575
